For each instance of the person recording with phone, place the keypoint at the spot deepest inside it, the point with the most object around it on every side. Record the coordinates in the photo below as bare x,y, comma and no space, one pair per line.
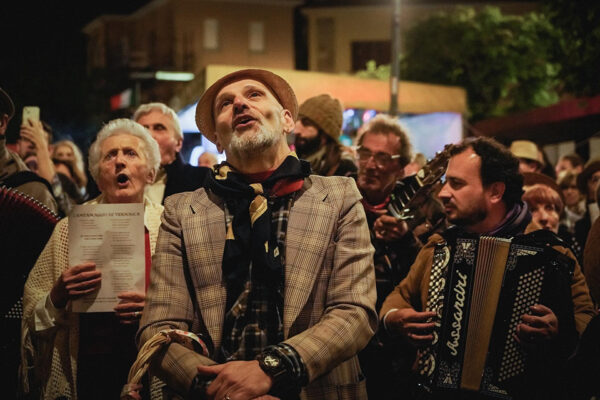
35,149
14,173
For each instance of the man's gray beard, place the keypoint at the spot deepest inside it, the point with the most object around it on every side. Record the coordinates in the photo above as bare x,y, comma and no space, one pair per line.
242,146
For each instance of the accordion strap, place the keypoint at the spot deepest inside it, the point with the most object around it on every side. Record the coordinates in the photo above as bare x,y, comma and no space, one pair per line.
23,177
544,237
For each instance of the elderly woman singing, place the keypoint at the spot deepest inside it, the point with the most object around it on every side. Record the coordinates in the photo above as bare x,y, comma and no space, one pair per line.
69,355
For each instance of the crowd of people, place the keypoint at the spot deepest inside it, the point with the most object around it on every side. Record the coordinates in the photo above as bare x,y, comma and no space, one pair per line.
281,272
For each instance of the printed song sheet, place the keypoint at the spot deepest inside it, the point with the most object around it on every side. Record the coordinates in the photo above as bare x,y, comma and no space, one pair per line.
112,236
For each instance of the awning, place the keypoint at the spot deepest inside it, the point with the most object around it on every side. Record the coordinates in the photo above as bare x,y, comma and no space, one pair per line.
353,92
575,119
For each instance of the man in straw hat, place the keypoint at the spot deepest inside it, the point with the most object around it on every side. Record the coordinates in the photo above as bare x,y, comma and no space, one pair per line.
278,261
530,157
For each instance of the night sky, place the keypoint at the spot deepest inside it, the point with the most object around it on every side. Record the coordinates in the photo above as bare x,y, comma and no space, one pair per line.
42,57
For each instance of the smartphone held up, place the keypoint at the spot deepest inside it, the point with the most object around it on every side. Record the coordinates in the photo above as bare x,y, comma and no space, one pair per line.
31,113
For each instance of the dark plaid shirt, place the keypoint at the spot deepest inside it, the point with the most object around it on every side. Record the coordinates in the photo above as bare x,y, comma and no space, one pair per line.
255,321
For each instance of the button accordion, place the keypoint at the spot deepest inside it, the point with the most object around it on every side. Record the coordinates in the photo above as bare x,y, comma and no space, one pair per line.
480,288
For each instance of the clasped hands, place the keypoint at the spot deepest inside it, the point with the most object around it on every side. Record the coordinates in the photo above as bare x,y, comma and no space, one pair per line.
237,380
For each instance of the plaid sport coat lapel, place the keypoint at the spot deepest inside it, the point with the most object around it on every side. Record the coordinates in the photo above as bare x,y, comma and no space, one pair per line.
308,238
204,238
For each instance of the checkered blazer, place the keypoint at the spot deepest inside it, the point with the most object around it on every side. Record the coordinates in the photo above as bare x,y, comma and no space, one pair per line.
329,304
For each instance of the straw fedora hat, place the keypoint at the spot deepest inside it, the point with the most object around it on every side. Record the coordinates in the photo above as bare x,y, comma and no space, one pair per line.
526,149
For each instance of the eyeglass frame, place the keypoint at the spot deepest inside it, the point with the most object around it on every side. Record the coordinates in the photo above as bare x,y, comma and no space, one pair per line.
374,156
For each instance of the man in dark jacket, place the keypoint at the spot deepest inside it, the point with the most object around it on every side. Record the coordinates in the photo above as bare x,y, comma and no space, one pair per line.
175,175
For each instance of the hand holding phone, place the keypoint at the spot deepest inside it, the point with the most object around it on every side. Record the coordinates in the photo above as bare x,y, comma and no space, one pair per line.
31,113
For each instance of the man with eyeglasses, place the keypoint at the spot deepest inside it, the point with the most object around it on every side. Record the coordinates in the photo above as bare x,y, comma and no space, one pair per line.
383,151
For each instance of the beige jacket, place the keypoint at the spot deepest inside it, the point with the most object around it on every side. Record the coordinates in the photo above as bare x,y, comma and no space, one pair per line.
52,352
329,301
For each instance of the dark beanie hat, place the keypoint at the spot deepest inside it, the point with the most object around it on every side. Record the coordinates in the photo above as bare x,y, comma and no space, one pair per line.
326,112
6,105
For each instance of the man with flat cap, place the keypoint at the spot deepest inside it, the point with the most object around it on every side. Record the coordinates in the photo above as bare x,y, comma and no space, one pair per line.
265,276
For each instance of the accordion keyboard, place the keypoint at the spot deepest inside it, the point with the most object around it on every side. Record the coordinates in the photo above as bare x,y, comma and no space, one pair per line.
529,289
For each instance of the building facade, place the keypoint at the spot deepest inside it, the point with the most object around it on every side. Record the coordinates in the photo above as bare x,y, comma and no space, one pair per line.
186,35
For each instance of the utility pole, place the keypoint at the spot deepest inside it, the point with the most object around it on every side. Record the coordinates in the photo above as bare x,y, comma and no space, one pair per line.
395,62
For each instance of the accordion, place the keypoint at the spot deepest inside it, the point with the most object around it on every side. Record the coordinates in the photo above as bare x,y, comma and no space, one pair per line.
25,226
480,288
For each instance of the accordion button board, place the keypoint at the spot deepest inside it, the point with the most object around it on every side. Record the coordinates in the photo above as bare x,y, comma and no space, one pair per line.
480,288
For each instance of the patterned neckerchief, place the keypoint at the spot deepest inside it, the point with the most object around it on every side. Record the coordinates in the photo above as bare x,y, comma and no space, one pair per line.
256,208
255,320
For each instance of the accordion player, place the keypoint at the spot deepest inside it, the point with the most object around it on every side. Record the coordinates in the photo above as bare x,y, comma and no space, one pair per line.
479,288
479,293
494,305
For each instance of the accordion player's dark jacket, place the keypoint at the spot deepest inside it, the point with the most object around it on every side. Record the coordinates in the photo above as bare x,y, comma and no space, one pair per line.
412,291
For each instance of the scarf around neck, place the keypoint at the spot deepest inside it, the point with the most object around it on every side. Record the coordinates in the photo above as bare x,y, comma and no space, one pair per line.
249,237
514,223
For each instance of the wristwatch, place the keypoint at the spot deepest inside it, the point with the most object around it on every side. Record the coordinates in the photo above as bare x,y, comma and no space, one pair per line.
273,365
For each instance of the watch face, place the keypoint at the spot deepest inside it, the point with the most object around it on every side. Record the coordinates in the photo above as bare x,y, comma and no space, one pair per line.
271,361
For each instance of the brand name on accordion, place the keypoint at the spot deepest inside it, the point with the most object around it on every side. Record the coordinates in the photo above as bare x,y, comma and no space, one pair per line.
459,304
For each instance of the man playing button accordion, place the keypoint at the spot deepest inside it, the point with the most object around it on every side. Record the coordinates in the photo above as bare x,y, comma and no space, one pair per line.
493,304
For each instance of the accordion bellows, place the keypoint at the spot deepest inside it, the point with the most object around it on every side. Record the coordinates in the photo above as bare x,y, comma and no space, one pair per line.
25,226
480,289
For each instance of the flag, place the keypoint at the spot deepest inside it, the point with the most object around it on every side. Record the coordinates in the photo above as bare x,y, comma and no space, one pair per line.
121,100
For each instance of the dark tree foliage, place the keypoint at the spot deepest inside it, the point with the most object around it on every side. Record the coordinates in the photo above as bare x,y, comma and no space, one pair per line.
578,50
504,62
